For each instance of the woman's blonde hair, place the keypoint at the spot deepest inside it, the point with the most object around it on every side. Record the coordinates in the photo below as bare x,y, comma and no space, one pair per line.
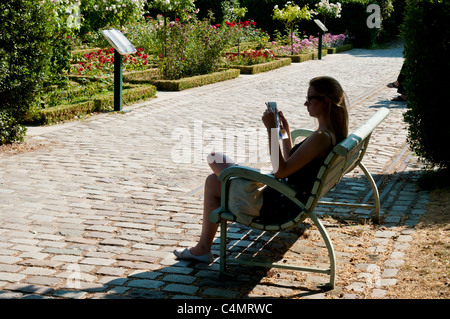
337,115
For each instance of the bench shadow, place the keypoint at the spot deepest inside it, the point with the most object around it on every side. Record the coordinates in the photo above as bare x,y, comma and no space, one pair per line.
192,280
402,201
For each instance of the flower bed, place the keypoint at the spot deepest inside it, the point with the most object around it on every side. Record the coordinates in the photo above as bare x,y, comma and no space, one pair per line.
100,62
249,57
306,48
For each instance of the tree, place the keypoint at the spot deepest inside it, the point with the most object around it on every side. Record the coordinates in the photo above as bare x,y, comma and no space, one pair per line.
291,15
240,13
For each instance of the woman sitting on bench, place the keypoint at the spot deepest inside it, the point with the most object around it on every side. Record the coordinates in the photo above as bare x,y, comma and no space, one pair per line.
299,165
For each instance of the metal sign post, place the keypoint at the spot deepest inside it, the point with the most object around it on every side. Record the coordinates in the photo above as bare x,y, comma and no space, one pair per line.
117,81
322,29
122,46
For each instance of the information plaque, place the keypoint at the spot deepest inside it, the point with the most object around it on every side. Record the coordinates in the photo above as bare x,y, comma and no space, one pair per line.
119,42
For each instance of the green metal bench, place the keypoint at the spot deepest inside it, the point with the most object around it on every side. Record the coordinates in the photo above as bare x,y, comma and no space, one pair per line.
341,160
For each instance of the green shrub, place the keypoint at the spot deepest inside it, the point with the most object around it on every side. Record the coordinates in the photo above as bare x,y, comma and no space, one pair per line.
10,130
99,14
190,48
25,57
24,54
427,65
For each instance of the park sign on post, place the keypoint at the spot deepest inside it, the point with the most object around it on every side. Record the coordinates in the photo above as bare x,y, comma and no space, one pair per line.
322,29
122,46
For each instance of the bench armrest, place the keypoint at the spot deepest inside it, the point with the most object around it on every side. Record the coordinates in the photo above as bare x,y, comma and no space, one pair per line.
300,132
256,175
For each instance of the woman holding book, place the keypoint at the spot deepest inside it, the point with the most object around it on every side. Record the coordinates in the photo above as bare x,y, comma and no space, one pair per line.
298,165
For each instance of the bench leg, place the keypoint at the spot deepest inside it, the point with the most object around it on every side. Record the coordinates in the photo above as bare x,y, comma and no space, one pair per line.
376,194
223,245
330,249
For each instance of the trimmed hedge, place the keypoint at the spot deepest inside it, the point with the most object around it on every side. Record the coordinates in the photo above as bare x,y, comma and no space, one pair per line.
263,67
339,49
427,67
141,76
99,103
194,81
304,57
131,76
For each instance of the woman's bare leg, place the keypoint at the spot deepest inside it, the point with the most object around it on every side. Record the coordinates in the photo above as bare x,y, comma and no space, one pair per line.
218,162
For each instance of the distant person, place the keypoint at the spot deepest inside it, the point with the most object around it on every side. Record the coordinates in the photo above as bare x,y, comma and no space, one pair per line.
399,85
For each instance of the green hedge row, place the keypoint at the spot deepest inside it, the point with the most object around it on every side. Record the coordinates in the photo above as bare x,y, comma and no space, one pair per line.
137,76
263,67
304,56
99,103
194,81
342,48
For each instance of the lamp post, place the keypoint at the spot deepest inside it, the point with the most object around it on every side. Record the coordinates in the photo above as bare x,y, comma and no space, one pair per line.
122,46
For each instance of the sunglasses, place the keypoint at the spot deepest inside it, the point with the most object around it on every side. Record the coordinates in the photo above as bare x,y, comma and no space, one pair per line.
310,98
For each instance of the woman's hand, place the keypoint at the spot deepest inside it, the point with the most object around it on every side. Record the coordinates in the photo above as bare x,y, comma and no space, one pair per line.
268,119
284,123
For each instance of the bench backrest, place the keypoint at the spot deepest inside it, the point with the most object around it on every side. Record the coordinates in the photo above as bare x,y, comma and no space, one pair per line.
344,157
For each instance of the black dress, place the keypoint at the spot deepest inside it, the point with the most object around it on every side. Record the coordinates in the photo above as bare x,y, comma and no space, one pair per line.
277,208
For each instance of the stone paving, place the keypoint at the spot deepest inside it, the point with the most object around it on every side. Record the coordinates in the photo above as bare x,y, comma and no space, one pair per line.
96,207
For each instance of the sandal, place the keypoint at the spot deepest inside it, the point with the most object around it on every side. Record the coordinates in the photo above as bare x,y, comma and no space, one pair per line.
392,85
185,254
